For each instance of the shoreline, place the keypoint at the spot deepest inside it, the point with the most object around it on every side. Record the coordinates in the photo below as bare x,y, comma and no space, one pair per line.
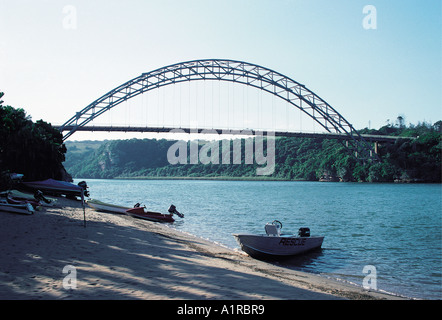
220,178
260,178
119,257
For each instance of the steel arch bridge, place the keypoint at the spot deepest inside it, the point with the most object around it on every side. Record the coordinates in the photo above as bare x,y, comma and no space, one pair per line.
234,71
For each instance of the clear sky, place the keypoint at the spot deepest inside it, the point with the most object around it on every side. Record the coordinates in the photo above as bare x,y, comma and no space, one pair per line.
53,66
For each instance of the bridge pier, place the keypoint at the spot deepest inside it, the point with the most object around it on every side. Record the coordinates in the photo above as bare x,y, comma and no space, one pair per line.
375,150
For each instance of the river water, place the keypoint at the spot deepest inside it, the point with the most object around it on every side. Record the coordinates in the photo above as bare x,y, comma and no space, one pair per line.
387,234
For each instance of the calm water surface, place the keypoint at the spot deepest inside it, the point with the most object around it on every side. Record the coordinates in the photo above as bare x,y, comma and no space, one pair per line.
397,228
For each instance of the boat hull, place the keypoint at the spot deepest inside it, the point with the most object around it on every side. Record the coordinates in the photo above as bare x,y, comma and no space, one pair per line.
25,208
56,187
106,207
149,215
22,196
263,246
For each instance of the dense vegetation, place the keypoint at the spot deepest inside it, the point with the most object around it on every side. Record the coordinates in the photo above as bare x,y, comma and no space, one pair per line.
417,160
34,149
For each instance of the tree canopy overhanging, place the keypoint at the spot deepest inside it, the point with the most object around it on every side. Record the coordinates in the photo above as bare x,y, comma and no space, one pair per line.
34,149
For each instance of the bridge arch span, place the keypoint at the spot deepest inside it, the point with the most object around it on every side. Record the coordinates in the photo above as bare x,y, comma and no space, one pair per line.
241,72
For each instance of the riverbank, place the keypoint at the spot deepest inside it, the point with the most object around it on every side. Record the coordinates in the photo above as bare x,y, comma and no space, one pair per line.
267,178
118,257
220,178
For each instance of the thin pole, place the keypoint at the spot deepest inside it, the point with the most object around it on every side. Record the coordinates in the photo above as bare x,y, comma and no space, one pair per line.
84,209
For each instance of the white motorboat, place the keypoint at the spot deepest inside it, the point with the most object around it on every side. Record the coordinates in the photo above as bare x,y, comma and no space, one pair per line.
275,244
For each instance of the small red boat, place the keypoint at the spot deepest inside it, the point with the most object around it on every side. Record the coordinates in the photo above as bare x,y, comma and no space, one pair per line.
141,213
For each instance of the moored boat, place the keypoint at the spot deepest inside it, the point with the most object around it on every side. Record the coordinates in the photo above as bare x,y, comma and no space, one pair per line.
141,213
137,211
273,244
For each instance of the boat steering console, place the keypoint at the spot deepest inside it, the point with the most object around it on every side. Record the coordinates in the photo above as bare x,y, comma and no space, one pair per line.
274,228
277,223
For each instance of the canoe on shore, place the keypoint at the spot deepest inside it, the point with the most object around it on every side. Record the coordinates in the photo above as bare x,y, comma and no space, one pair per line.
101,206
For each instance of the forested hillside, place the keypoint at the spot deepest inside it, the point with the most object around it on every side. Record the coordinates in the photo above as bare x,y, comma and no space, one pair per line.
34,149
417,160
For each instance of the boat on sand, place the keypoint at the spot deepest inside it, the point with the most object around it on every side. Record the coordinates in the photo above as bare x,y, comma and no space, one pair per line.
36,196
274,244
137,211
22,208
56,187
141,213
106,207
6,198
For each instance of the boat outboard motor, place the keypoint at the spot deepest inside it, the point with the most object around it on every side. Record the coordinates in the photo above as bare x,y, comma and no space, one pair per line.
172,209
304,232
38,195
83,185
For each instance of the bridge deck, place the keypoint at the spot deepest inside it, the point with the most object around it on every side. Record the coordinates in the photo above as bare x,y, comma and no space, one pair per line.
327,135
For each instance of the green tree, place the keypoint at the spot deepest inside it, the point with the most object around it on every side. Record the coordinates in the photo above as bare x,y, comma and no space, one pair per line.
33,149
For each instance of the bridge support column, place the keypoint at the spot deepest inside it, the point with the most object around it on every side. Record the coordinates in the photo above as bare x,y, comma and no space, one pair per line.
376,147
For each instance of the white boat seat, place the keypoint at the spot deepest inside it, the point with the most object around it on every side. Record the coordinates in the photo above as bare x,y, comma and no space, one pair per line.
272,230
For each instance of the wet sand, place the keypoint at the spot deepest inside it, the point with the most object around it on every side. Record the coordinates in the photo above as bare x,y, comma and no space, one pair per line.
120,257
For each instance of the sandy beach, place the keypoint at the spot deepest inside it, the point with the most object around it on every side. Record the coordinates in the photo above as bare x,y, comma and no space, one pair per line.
119,257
